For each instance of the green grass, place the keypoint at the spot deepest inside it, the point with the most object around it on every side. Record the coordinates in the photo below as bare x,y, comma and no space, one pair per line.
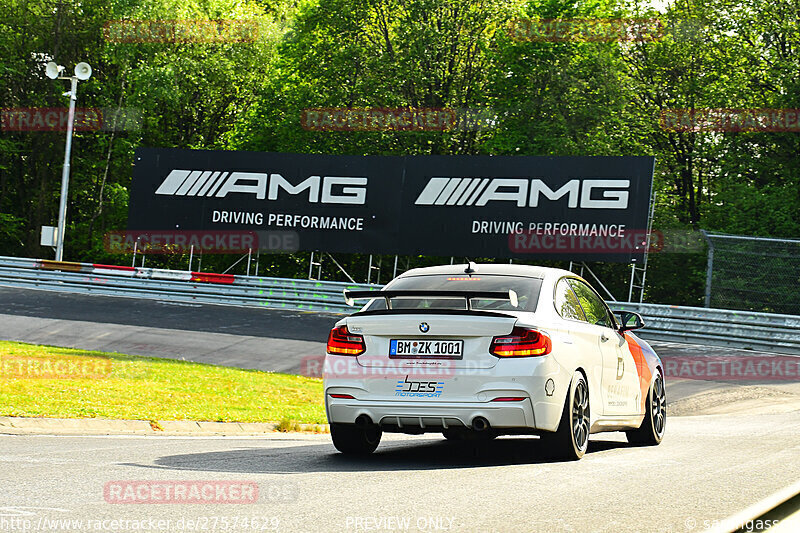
144,388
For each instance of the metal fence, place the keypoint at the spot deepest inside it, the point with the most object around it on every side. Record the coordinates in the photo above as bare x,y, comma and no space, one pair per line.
694,325
753,273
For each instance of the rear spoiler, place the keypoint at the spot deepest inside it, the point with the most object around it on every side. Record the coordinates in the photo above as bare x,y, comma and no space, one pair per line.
511,296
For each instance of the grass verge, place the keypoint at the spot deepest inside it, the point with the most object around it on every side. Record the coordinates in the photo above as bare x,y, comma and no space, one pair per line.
46,381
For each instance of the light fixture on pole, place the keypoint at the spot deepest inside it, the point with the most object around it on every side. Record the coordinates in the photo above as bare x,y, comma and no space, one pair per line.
82,72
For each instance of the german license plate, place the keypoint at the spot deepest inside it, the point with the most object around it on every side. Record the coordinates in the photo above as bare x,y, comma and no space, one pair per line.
426,348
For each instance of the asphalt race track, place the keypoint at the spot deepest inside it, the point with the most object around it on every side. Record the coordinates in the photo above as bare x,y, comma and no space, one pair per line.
709,466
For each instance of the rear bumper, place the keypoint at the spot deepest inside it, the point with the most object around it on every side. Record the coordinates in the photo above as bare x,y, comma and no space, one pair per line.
464,395
423,417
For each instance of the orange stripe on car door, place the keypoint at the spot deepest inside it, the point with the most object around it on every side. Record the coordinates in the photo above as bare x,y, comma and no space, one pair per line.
641,367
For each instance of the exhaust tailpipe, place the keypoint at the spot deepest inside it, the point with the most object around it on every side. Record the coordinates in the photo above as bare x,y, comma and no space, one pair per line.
480,424
363,421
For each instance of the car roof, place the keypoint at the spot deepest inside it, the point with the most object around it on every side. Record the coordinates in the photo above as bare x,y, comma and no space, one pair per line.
505,269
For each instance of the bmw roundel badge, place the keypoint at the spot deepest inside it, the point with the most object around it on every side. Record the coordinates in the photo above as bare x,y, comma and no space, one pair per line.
424,327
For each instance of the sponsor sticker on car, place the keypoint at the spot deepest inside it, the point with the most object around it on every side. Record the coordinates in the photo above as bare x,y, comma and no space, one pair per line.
418,389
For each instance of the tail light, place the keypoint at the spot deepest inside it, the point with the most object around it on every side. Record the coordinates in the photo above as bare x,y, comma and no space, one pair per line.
342,342
509,399
522,342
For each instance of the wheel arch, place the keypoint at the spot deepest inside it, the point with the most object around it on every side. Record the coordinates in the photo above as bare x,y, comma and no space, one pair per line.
594,399
595,394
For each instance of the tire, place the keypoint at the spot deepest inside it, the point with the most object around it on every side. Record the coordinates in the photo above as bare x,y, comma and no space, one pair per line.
354,440
651,432
571,439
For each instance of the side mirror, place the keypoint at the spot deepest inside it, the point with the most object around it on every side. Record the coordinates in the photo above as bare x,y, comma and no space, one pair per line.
629,320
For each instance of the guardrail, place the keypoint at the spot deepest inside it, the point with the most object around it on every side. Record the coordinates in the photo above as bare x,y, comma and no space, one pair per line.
177,285
693,325
717,327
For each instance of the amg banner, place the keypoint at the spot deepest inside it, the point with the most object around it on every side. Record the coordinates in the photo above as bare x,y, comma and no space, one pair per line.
571,208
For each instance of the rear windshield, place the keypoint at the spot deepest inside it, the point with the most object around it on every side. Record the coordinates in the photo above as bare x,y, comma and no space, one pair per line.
527,290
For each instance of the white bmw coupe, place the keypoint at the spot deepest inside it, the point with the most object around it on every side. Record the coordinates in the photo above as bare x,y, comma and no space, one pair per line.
487,350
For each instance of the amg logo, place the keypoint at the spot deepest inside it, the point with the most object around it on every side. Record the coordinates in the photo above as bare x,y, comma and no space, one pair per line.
265,186
613,194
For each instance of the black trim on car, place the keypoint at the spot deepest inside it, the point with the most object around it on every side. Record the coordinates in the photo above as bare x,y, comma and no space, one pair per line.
379,312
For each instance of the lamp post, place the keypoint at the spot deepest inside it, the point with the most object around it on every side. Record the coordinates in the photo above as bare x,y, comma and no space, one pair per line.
82,72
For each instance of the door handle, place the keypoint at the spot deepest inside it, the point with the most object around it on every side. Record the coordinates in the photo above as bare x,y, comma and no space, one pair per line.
604,338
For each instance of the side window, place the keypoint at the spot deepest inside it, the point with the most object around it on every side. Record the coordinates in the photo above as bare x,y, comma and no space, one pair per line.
592,305
566,303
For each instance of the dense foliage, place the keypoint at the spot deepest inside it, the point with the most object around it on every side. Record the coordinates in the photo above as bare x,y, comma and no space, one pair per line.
545,98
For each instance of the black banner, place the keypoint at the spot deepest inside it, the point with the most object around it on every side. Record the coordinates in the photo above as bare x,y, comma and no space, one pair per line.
573,208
